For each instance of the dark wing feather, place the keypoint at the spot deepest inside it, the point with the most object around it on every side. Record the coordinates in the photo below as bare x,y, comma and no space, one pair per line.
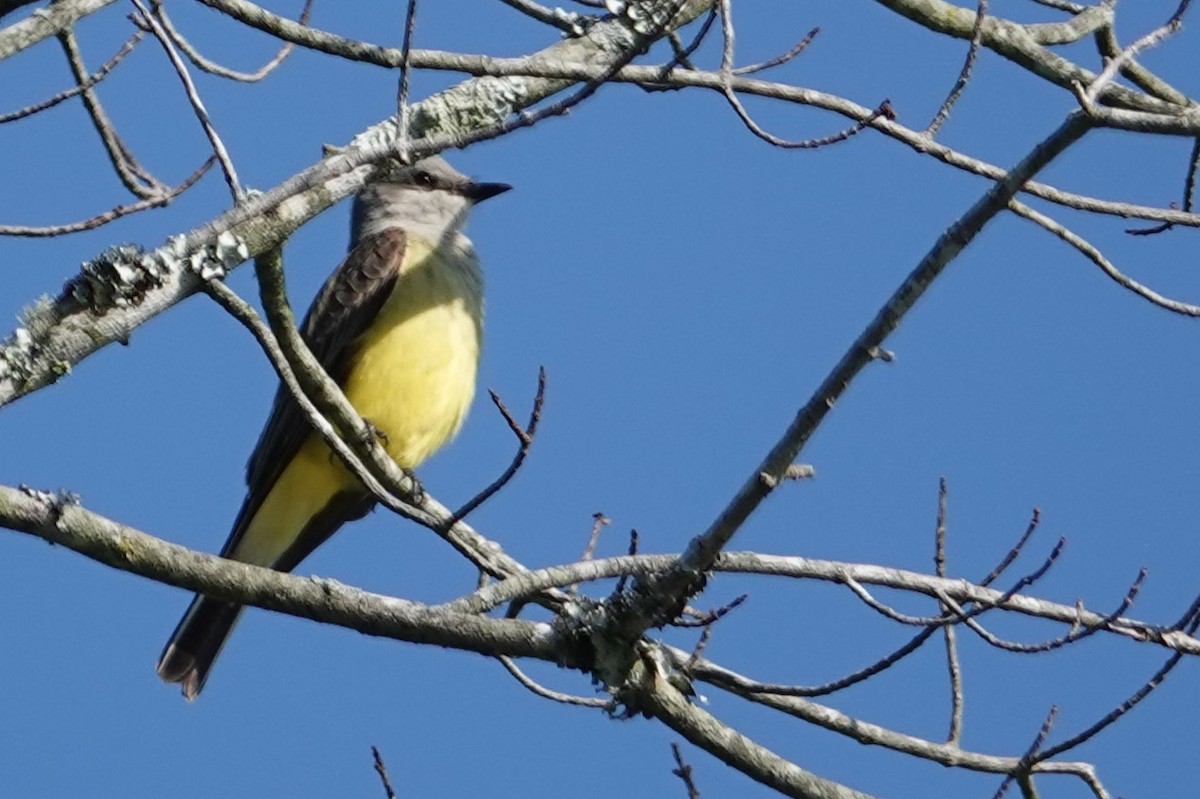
347,303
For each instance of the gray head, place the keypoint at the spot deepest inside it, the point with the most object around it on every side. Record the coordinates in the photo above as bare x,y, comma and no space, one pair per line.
429,198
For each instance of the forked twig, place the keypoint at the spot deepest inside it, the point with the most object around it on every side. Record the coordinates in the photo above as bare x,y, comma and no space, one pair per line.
1027,760
1091,94
147,18
525,436
684,772
133,175
884,109
1120,710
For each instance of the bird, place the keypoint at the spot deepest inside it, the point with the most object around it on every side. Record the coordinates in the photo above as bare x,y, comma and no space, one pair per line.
399,326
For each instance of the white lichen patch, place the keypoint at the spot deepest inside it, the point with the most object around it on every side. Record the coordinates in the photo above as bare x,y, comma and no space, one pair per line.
117,278
16,353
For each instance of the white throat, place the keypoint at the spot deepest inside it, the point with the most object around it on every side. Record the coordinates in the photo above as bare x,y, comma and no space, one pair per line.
435,215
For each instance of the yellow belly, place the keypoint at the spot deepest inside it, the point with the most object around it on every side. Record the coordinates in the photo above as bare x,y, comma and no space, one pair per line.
414,370
412,376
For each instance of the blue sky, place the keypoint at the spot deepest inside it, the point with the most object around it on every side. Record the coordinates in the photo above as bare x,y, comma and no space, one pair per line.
686,287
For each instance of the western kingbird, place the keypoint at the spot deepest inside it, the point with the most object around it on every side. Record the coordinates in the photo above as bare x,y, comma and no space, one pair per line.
399,326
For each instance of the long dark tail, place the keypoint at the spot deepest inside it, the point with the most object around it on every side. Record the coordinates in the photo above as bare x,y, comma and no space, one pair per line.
196,642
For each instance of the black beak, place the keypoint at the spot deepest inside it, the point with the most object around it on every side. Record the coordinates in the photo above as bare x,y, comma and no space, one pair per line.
478,192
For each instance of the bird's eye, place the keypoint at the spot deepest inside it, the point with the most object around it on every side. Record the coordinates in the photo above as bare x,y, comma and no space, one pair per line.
424,179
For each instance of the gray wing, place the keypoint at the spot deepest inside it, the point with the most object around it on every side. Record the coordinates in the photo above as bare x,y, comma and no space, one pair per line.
350,299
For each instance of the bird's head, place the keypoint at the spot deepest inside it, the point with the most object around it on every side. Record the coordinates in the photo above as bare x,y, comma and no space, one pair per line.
430,198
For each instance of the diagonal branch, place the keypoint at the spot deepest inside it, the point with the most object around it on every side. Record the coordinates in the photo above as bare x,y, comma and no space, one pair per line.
1089,251
54,19
658,598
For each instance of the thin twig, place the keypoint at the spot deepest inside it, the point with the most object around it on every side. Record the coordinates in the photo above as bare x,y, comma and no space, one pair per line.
709,618
957,613
727,71
1027,760
698,650
1078,630
212,67
599,522
1189,616
1189,183
954,736
546,693
1094,255
197,104
684,772
1171,26
842,683
683,54
91,81
633,550
1034,520
964,75
410,26
134,177
1062,5
1039,572
1189,193
525,436
888,612
381,770
1120,710
113,213
779,60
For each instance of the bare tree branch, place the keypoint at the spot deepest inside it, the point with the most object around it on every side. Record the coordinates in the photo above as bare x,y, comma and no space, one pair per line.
111,214
78,88
60,520
212,67
54,19
135,178
218,146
